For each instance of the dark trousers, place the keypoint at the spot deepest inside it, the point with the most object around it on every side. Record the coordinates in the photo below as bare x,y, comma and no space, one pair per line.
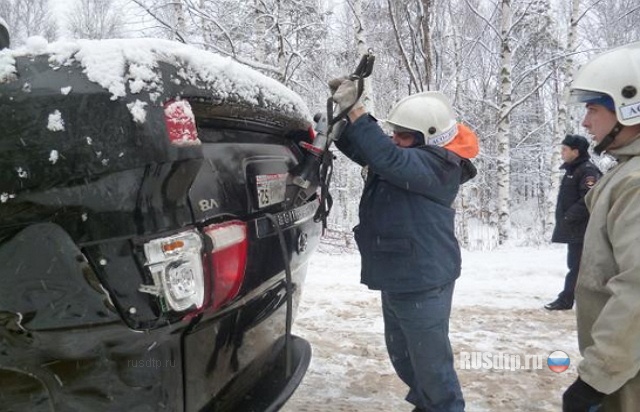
574,254
417,335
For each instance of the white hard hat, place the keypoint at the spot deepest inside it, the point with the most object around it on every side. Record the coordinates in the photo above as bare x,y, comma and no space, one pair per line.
429,113
614,75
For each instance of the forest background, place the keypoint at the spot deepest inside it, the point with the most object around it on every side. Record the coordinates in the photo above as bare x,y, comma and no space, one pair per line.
505,64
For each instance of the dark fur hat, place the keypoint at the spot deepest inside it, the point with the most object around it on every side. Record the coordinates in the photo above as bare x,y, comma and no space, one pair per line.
575,141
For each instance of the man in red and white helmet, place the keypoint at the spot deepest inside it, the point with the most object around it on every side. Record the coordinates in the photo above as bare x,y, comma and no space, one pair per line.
406,234
608,289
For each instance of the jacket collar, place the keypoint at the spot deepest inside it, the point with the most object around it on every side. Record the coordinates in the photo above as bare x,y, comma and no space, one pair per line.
630,150
570,167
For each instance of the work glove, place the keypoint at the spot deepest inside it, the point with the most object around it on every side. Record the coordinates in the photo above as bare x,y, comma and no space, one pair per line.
345,93
581,397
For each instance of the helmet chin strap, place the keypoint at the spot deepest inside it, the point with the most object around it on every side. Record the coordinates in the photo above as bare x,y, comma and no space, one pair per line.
608,139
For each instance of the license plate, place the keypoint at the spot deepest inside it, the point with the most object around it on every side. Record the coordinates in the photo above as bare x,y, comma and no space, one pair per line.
271,188
265,227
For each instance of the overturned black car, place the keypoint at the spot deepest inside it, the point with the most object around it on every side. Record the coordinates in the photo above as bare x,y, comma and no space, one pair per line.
153,245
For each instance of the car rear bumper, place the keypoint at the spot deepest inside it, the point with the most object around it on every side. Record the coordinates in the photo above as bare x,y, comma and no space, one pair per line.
115,381
270,388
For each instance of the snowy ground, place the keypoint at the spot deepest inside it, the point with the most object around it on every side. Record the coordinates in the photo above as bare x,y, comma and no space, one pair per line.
497,308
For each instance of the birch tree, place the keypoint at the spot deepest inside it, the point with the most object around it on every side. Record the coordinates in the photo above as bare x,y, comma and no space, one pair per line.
535,71
515,32
562,95
502,137
457,38
368,95
348,181
410,21
95,19
179,13
611,23
288,32
165,19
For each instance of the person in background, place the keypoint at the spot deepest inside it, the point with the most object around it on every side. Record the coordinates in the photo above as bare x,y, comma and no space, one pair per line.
608,288
406,232
4,35
571,212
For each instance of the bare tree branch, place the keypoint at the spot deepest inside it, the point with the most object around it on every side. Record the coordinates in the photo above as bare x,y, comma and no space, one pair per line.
525,97
635,9
403,52
586,10
489,24
159,19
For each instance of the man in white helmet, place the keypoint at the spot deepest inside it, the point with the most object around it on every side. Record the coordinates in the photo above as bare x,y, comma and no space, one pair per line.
608,289
406,232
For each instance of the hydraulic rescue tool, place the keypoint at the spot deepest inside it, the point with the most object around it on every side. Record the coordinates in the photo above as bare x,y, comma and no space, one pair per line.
318,164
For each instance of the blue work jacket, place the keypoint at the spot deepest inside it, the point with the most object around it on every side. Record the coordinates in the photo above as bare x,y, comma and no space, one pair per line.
406,234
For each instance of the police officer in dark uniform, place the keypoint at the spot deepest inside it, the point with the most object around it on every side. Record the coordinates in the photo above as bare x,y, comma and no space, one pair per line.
571,212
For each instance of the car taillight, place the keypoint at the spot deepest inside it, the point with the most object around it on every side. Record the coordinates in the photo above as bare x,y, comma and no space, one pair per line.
183,272
181,123
227,260
175,264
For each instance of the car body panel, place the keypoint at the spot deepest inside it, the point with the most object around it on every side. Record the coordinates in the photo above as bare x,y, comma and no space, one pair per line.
88,178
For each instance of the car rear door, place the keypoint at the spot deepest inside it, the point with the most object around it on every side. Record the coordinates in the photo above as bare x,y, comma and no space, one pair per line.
246,178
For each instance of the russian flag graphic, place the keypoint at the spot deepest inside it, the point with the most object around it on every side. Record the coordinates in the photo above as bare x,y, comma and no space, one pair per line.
558,361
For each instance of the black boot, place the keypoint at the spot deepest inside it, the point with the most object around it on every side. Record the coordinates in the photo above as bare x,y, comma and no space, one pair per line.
559,304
